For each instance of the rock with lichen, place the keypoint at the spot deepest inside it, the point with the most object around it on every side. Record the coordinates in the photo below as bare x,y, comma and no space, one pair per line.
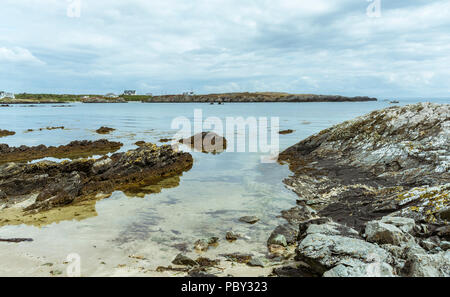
391,160
383,177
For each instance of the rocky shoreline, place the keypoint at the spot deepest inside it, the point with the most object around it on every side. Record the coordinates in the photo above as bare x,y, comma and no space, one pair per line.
46,185
373,196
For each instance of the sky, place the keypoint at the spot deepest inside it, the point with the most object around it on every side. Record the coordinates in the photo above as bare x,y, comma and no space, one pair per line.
383,48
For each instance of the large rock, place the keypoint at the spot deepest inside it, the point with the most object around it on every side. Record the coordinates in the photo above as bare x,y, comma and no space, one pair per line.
406,225
206,142
60,184
288,233
326,246
394,160
428,265
384,174
356,268
379,232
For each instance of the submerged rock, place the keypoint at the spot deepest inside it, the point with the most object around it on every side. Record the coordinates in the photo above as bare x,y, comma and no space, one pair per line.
165,140
105,130
47,128
4,133
16,240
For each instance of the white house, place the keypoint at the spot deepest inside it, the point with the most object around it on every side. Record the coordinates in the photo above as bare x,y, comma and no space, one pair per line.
111,95
7,95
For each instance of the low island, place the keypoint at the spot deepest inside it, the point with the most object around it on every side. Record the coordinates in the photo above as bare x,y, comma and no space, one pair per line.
26,98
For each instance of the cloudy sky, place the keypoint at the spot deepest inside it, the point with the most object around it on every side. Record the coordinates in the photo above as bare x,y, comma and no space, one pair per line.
171,46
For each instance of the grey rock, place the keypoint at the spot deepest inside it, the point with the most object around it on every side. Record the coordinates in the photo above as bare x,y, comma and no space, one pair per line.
405,224
325,248
382,233
288,231
429,244
333,228
257,262
426,265
356,268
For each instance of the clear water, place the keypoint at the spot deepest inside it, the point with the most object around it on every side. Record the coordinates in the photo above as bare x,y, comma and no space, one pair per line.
208,201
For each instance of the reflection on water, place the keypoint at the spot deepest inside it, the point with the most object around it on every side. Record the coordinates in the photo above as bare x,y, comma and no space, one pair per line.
142,191
77,211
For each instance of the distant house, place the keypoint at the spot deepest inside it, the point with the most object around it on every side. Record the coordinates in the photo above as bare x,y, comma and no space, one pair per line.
7,95
129,92
149,94
111,95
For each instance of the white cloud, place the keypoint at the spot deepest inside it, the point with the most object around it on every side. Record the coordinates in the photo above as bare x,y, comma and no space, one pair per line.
18,55
321,46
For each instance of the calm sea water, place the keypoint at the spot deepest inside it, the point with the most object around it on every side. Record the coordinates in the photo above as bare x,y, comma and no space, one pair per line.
208,201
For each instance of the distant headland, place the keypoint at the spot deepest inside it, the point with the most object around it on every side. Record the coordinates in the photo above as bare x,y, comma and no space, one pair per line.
190,97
